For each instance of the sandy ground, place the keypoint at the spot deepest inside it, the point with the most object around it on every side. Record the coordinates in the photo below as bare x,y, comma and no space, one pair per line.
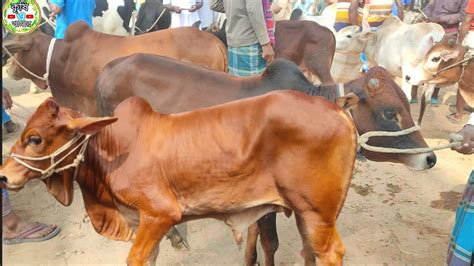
392,215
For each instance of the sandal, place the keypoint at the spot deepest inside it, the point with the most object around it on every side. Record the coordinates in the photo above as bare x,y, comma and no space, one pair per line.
23,237
434,102
414,100
11,127
453,119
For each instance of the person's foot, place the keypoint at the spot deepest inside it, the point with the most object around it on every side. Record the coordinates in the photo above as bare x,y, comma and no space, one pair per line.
29,232
11,127
434,102
454,118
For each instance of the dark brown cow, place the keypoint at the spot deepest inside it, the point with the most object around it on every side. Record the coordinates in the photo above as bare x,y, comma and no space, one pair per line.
148,171
172,86
79,58
306,43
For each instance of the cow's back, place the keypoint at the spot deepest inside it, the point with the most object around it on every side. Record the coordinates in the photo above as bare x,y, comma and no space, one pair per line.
401,45
89,51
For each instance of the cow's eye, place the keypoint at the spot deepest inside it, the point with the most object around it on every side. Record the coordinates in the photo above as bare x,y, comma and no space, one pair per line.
34,140
389,115
436,59
349,36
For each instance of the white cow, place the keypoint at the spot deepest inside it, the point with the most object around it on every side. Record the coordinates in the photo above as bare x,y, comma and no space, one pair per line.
396,46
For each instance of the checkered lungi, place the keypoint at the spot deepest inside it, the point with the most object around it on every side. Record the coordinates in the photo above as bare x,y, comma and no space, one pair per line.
461,244
246,60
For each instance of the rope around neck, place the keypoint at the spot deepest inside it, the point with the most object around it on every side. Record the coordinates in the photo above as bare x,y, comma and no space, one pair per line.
364,138
48,62
154,23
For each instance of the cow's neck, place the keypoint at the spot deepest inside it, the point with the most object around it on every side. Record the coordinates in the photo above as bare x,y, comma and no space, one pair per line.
101,158
370,50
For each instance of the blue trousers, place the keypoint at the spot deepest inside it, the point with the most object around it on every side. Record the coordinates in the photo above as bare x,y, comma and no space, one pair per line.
5,116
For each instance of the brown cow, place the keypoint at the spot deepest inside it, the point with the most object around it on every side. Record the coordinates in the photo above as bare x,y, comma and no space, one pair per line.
79,58
435,69
306,43
283,151
172,86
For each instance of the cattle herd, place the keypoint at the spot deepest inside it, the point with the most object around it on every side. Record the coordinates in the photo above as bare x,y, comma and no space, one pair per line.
156,133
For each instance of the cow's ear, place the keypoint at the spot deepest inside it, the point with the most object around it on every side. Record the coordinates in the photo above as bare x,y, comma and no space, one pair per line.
448,55
348,101
90,125
14,46
61,187
367,36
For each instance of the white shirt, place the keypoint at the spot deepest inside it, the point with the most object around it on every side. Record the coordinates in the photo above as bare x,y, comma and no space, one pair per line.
471,120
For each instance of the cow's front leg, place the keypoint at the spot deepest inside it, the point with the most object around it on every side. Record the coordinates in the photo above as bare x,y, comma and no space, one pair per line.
150,231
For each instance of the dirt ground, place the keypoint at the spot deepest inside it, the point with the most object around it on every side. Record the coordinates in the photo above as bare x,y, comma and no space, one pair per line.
392,215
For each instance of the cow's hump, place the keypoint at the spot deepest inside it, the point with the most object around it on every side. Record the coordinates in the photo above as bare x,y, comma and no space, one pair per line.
133,106
76,31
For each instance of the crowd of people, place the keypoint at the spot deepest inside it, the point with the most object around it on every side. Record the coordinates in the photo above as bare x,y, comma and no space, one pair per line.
250,35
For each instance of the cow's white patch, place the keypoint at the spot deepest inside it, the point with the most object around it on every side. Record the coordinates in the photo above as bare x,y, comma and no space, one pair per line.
110,22
240,221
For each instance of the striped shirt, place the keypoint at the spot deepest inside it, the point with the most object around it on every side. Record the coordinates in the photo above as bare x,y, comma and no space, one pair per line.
375,11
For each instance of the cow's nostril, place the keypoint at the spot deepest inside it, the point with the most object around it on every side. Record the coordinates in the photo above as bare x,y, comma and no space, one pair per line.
3,179
407,78
431,160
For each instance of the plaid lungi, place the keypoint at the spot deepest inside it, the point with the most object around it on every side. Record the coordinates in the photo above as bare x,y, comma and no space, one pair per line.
461,244
246,60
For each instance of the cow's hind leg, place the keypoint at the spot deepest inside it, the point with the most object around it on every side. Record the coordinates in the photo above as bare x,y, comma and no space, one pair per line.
320,239
266,228
251,246
268,237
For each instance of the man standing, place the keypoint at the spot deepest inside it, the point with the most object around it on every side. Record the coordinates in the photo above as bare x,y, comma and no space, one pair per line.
447,13
372,12
70,11
7,122
461,244
183,12
249,44
466,31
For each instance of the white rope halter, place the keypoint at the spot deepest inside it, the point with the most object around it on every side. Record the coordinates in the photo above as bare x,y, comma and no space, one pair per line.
80,144
456,139
154,23
48,62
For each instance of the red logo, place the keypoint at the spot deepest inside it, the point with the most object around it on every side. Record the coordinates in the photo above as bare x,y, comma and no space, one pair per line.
30,16
11,16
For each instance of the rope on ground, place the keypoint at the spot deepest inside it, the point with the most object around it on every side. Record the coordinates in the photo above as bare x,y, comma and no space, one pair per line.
456,141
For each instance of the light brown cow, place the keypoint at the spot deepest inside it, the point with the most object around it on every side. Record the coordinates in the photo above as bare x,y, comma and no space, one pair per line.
78,59
447,63
283,151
